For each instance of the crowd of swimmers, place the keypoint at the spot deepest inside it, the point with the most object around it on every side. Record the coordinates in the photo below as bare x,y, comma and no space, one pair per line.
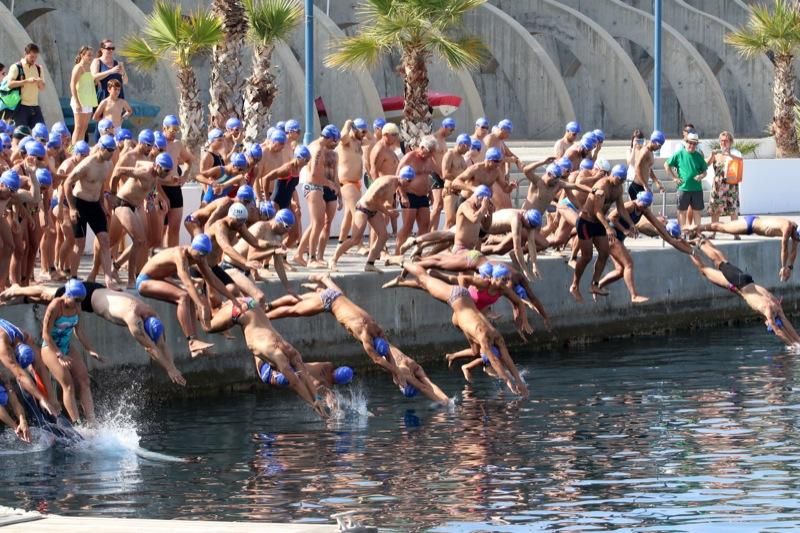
458,237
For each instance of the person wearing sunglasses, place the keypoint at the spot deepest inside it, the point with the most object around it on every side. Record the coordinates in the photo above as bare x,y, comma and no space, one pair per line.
105,68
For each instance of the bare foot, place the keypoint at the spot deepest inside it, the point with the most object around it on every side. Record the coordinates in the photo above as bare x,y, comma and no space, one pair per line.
639,299
297,260
176,377
332,265
396,260
55,275
411,241
392,283
467,373
316,263
576,293
571,263
198,348
112,284
596,290
317,277
372,268
288,267
449,357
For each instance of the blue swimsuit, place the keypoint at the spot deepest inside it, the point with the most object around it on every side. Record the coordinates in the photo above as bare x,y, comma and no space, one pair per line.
62,332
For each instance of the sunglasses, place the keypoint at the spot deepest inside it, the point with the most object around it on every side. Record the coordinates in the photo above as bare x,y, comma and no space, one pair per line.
111,48
40,158
110,150
484,127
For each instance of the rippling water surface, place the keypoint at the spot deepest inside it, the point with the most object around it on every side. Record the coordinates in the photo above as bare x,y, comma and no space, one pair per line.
684,433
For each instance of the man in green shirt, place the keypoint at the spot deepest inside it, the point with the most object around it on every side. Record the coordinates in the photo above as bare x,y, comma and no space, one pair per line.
691,168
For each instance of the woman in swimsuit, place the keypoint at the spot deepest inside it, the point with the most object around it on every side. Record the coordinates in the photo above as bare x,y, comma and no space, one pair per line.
61,319
12,344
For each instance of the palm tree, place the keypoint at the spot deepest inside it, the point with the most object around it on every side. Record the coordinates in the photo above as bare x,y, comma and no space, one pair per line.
168,34
417,29
775,32
227,80
271,22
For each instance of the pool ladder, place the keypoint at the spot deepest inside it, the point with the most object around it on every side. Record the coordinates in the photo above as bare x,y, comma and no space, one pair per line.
348,524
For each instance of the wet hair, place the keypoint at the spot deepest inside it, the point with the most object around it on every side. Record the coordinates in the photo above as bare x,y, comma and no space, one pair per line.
83,49
31,48
114,83
637,134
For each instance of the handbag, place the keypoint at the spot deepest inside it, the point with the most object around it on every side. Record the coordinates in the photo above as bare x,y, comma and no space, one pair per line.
734,170
9,98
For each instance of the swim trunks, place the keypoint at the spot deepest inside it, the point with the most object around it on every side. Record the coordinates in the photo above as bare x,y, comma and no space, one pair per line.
566,202
141,278
736,278
121,202
750,219
369,212
589,230
225,265
456,293
473,256
328,296
284,189
308,188
217,270
86,303
634,189
91,214
190,220
418,202
174,195
329,195
436,181
236,314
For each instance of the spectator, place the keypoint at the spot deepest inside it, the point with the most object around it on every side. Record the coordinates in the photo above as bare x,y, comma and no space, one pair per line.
691,168
724,196
27,76
83,96
105,68
114,107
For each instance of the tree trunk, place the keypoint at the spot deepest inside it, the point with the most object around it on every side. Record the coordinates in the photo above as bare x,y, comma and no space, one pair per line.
259,94
783,123
226,79
190,110
416,109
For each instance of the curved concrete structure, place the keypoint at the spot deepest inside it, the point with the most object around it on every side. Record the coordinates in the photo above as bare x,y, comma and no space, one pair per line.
14,38
608,91
289,103
62,31
734,12
346,94
697,90
520,81
747,84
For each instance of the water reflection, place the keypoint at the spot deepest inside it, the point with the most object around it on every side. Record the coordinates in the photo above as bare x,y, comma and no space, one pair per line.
687,433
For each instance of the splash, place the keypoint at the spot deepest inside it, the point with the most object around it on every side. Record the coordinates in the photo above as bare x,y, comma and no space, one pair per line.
40,441
349,405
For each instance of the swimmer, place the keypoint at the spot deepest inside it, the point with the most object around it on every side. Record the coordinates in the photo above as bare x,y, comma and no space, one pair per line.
644,166
415,199
324,372
10,404
573,129
487,172
453,164
221,180
350,170
13,343
437,178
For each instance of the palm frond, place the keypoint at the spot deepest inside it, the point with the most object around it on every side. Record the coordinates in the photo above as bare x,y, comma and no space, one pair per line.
272,21
163,28
775,29
355,52
201,31
140,53
465,53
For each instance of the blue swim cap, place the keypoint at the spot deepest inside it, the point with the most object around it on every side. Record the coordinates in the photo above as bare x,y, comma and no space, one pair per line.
302,152
245,193
285,217
534,218
620,171
449,123
124,134
81,148
463,139
331,132
599,135
3,396
34,149
378,123
267,209
588,142
147,137
238,160
408,173
343,375
476,145
494,154
485,270
645,198
565,164
39,131
360,124
164,161
500,271
25,355
587,164
23,143
60,128
673,228
482,122
281,380
266,372
381,346
44,176
54,140
292,126
5,139
10,179
658,137
281,125
409,391
505,124
483,191
53,202
278,136
74,288
170,121
105,125
233,123
521,292
554,170
215,134
573,127
160,140
154,328
255,152
202,244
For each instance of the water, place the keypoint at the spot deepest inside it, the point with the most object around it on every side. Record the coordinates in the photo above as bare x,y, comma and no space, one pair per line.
685,433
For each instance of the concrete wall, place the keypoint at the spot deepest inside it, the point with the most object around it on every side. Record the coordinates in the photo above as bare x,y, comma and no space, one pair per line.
734,12
520,81
13,39
680,298
609,93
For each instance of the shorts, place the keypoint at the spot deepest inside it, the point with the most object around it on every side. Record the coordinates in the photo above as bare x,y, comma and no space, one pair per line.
217,270
77,108
736,278
436,181
91,214
174,196
418,202
589,230
634,189
690,198
284,190
86,303
329,195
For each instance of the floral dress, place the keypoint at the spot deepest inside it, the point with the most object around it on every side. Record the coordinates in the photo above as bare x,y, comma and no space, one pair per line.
724,197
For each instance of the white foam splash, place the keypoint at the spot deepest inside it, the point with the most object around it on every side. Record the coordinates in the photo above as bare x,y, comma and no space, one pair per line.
11,445
349,404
